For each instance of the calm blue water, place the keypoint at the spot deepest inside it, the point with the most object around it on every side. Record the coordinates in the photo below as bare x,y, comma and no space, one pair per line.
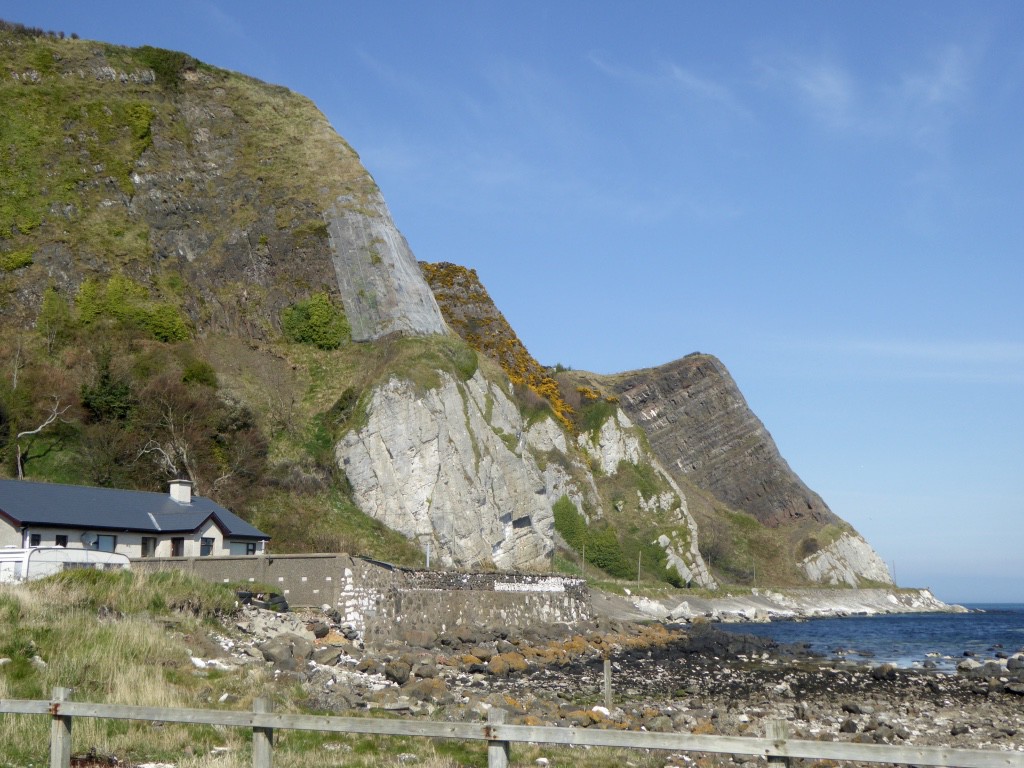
908,639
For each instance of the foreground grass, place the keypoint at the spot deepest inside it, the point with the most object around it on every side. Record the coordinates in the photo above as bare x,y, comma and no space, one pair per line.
114,638
125,638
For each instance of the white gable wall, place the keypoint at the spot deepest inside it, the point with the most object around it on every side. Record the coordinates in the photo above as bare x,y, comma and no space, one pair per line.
9,535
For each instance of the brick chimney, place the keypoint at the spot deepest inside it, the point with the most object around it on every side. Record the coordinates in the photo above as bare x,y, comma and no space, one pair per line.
181,491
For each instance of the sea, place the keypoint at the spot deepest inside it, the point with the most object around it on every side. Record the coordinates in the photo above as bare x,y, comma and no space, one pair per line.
931,640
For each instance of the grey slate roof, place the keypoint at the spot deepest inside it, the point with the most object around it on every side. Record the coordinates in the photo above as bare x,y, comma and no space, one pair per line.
79,506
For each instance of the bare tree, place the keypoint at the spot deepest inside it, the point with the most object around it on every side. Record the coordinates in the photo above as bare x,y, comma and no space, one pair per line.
55,414
177,426
17,365
176,423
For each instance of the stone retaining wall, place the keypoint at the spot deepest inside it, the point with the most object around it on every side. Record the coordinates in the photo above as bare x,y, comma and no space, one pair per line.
384,602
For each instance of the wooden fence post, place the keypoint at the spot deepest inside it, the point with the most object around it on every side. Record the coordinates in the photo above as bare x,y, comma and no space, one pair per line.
262,738
60,730
497,751
607,683
777,730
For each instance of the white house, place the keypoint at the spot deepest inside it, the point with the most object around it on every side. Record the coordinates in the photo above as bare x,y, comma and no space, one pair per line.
133,523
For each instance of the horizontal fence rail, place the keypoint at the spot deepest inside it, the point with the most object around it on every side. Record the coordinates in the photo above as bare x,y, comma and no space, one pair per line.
498,734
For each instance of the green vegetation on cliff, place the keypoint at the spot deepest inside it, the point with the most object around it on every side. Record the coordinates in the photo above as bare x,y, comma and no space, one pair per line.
171,307
204,186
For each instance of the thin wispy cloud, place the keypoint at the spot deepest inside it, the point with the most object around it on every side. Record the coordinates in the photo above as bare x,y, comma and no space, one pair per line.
830,93
705,88
929,101
945,83
917,105
225,22
672,80
537,102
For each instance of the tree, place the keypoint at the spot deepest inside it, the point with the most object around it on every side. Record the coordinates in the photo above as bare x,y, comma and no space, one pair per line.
176,426
110,398
240,451
54,415
185,432
107,455
54,322
17,365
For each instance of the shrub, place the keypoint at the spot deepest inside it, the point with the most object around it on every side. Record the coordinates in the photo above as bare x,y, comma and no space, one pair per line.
807,548
127,302
164,323
54,321
600,544
570,523
9,262
317,321
464,358
168,66
593,414
603,551
199,372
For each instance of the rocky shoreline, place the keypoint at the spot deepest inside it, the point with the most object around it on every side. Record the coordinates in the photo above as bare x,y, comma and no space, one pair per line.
668,678
761,605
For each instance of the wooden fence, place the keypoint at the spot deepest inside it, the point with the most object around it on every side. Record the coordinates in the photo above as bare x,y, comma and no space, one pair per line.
778,748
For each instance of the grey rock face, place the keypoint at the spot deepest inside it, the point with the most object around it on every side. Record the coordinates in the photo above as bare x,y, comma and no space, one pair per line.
847,560
381,285
700,426
434,467
453,468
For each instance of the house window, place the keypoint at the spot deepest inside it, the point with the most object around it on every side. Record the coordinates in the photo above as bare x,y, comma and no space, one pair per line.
34,540
178,546
205,547
60,540
148,546
106,542
250,548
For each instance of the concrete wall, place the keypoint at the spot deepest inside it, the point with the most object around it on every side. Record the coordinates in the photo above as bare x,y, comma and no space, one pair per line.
385,603
310,580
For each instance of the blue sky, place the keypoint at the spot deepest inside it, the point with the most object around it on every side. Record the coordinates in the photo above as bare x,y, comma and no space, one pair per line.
829,197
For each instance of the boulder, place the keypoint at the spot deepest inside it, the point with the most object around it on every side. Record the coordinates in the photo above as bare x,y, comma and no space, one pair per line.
328,655
287,651
433,690
884,672
320,629
967,667
398,671
419,638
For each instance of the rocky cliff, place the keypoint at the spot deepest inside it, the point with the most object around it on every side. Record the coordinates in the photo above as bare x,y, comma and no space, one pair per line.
381,285
229,197
442,467
196,267
702,429
458,469
700,426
